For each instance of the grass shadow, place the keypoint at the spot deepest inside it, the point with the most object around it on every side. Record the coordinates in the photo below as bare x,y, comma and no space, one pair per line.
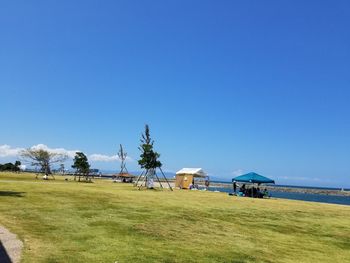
12,193
4,257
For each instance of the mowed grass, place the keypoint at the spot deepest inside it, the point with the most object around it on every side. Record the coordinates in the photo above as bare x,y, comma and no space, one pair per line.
61,221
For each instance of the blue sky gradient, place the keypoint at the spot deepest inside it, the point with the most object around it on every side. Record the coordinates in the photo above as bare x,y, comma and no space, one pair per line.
229,86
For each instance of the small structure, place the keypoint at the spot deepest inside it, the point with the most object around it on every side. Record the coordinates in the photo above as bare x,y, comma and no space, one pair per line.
186,177
253,178
124,178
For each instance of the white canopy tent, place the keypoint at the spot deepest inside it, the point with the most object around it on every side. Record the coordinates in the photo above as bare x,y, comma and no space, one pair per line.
197,172
185,178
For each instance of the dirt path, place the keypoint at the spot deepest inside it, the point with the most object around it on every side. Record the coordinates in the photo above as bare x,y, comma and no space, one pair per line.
10,247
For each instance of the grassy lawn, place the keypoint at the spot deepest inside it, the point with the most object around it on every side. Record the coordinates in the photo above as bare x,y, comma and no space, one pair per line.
61,221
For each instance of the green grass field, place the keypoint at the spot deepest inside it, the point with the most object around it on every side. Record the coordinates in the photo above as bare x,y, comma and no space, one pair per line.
61,221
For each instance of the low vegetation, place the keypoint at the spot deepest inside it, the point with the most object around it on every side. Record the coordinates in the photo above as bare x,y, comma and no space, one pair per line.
66,221
12,167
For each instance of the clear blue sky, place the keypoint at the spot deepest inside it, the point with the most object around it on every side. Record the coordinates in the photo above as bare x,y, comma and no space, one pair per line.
229,86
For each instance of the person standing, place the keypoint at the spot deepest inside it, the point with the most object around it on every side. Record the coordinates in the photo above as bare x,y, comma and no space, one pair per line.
234,186
207,184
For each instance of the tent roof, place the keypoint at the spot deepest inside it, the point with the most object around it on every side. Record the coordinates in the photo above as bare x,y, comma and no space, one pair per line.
253,178
198,172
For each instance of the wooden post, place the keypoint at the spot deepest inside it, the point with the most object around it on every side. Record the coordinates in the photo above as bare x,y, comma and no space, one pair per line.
161,186
166,179
138,179
144,180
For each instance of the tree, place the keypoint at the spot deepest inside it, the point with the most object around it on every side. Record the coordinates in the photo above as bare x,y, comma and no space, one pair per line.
17,166
149,161
82,166
8,167
149,158
43,159
11,167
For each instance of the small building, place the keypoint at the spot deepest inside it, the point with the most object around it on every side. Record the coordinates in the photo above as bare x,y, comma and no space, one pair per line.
186,177
123,178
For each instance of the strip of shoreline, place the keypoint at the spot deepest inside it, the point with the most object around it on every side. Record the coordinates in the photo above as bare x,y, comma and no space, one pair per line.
287,189
273,188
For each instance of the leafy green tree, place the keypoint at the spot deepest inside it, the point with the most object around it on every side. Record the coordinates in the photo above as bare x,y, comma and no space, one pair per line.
7,167
17,166
43,159
10,167
82,166
149,157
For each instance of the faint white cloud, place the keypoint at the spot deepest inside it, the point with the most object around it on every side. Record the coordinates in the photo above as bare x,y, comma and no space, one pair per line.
103,158
69,153
106,158
8,151
237,172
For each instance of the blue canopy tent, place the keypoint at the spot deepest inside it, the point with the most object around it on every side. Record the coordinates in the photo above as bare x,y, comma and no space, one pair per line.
253,178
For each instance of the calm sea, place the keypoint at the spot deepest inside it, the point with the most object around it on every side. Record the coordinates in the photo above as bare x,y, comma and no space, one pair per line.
332,199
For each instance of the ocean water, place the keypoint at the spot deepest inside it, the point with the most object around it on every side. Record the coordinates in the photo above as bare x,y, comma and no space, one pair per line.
293,186
332,199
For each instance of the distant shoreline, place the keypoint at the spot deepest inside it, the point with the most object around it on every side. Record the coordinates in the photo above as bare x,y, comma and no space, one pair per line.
286,189
292,189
